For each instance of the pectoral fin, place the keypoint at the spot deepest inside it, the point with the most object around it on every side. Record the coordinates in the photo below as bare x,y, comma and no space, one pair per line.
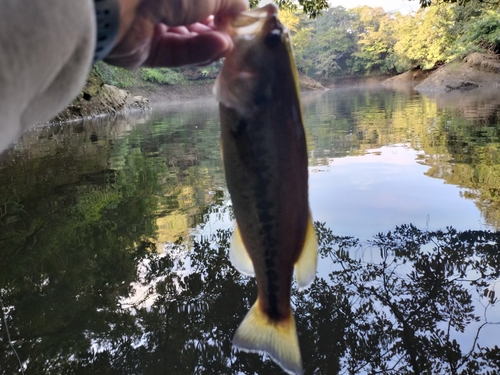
239,256
305,268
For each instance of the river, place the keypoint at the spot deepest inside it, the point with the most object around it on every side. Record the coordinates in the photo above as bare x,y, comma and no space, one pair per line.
114,236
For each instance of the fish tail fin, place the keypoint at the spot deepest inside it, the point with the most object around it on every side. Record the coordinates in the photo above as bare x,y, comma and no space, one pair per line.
258,333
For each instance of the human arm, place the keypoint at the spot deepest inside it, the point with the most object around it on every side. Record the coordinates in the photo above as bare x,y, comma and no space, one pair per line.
46,49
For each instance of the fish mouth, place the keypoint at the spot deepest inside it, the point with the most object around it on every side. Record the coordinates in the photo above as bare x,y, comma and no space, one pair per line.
254,22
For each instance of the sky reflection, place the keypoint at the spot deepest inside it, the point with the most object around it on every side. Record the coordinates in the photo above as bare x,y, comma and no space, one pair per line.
362,195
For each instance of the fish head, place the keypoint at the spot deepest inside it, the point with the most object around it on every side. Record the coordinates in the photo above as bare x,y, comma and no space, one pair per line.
261,60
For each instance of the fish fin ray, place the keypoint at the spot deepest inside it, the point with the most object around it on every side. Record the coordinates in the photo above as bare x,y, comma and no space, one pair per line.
305,268
257,333
238,254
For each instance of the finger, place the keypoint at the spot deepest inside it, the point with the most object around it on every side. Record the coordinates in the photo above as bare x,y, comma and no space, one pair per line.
181,30
199,28
172,50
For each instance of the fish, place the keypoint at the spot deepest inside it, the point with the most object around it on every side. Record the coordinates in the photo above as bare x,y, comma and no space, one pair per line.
264,153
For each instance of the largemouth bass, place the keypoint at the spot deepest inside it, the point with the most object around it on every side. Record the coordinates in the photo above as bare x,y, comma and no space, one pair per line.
265,160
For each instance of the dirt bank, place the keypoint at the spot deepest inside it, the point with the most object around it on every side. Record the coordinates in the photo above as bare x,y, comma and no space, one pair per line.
413,76
476,71
170,93
199,90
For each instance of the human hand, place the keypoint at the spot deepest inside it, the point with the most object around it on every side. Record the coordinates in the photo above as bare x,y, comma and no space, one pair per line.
172,33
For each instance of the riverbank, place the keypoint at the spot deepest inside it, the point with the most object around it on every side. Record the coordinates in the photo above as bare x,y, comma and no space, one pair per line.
201,89
475,71
99,99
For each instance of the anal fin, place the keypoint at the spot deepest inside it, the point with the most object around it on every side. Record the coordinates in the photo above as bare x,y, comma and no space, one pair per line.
305,268
239,256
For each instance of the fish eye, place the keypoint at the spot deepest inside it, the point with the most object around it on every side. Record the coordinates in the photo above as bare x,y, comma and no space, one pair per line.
273,39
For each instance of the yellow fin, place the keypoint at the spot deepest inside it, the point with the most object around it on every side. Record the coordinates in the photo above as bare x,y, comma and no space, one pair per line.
305,268
257,333
239,256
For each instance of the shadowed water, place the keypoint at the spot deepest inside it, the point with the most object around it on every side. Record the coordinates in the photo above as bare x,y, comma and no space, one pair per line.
114,237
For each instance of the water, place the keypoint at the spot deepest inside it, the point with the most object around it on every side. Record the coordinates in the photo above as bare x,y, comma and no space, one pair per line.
91,280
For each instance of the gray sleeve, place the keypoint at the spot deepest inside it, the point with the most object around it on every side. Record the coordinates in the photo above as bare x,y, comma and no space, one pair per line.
46,50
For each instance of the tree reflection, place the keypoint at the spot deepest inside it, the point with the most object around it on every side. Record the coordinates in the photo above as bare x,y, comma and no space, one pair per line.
85,289
410,311
77,216
459,135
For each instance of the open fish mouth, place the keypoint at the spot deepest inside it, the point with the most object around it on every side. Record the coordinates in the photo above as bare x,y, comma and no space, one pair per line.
252,23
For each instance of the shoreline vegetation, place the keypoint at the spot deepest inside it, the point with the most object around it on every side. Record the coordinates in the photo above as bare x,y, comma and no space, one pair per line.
443,48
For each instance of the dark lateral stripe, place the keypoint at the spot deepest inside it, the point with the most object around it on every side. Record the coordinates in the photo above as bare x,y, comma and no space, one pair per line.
263,169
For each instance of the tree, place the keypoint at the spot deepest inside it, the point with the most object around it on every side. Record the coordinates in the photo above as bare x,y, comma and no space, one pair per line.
426,37
333,42
312,8
428,3
376,42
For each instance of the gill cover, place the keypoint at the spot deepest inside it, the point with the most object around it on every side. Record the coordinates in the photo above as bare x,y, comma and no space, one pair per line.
255,33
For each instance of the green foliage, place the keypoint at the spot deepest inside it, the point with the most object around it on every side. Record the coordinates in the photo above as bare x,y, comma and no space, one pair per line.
337,41
300,42
312,8
161,76
366,40
146,77
333,42
113,75
427,36
375,43
483,32
153,75
428,3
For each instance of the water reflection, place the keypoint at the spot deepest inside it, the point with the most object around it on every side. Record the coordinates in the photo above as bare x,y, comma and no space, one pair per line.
406,312
462,151
92,282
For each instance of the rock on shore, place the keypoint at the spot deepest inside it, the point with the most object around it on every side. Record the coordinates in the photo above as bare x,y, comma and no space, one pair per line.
98,98
477,70
309,84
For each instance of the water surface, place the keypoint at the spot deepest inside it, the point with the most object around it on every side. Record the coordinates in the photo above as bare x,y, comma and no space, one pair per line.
94,218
